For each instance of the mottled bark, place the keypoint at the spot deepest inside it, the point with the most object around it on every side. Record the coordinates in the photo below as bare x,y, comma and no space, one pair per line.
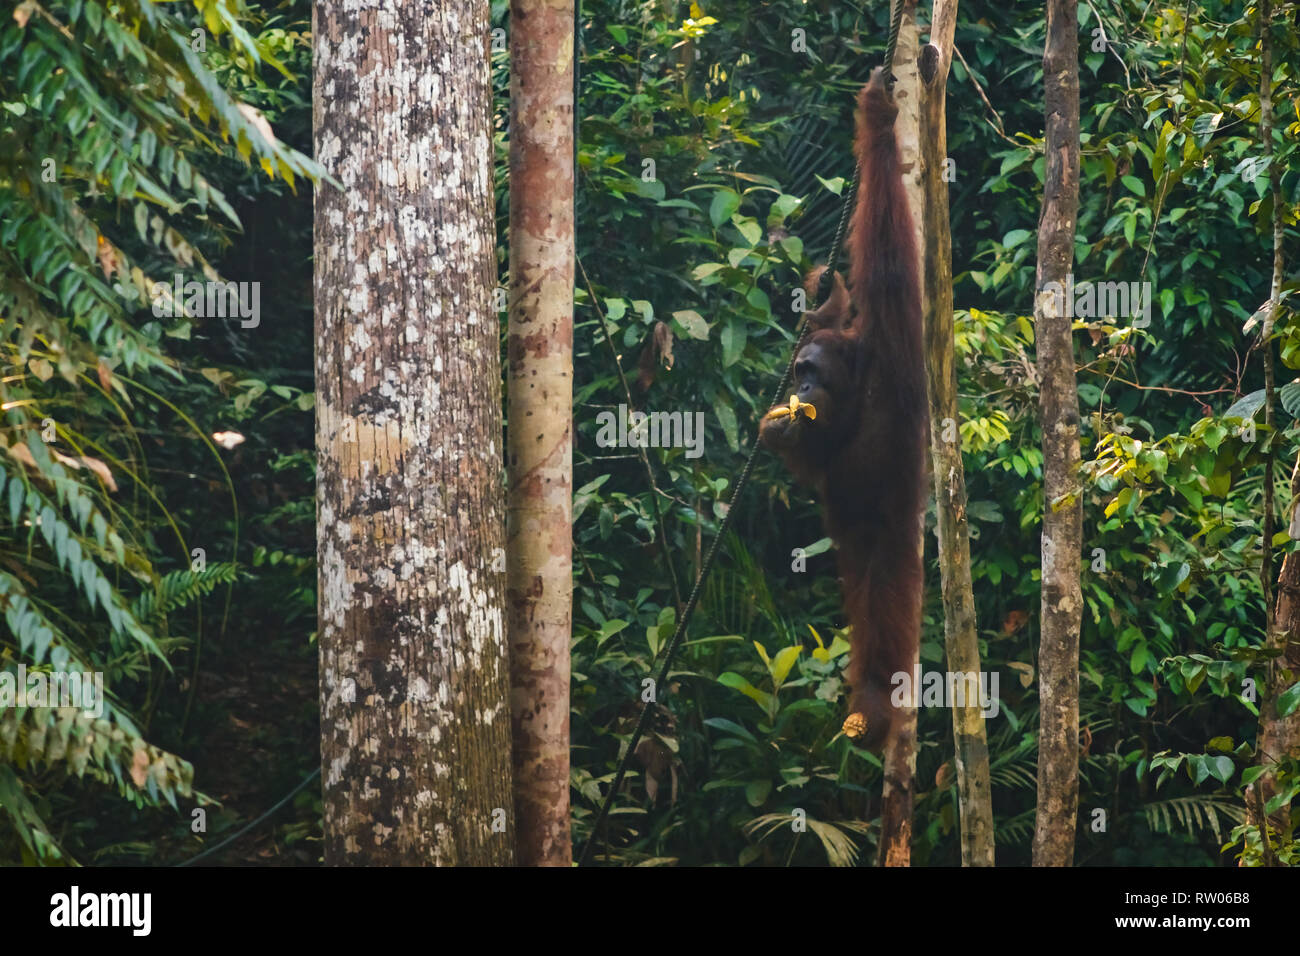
1061,605
540,435
899,756
415,735
1279,737
970,740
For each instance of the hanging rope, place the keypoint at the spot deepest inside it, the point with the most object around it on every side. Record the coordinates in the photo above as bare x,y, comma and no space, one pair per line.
891,45
832,260
242,830
896,20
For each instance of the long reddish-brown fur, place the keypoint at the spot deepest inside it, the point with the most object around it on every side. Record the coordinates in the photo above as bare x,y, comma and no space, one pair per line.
868,464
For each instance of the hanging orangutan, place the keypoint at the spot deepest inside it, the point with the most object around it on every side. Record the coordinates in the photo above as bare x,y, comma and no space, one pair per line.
856,427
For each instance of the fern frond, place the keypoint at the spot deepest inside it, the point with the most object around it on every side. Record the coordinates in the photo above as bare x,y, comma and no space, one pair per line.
1193,813
1017,829
839,846
180,588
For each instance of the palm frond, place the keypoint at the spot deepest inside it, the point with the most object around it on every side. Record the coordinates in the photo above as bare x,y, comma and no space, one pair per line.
1193,813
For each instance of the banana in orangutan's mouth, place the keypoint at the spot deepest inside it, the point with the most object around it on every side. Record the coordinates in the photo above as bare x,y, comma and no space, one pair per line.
794,410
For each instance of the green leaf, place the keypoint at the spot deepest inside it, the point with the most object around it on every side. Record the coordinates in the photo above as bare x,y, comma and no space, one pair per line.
147,143
1172,575
678,204
692,324
615,309
1135,185
1244,407
1012,161
1288,700
835,185
733,342
736,682
785,658
749,229
1166,301
1250,775
784,205
724,205
1204,127
1221,768
1289,395
727,419
649,189
730,726
1199,767
1015,237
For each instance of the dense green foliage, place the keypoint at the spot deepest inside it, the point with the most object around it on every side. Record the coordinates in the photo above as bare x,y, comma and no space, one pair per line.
1172,496
712,148
120,513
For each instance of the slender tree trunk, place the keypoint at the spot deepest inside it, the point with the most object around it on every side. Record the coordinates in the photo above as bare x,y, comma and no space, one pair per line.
415,744
1062,602
899,756
540,436
1279,736
970,741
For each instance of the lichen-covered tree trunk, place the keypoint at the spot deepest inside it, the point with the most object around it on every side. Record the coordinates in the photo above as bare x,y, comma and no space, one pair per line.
899,756
970,740
540,435
1061,605
415,729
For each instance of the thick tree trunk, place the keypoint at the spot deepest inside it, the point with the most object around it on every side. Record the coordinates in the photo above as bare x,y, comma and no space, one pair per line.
415,740
1062,602
899,757
540,442
970,740
1279,737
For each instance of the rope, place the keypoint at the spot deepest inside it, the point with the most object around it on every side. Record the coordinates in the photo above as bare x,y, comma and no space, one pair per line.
828,277
891,45
662,679
237,834
671,651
